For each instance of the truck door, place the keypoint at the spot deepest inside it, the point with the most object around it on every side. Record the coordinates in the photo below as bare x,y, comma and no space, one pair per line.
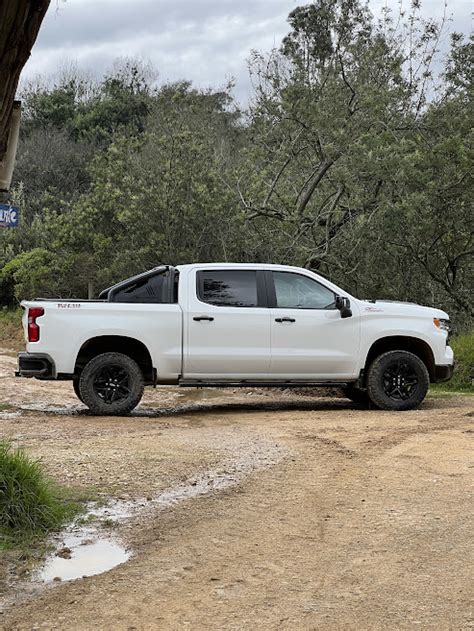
309,339
228,325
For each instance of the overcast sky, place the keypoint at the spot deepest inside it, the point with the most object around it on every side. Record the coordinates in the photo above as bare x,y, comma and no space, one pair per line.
206,41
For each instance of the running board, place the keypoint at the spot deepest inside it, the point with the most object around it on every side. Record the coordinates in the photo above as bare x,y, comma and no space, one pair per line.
190,383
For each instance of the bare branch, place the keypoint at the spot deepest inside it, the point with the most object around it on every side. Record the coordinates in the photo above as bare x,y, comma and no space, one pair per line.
317,177
353,93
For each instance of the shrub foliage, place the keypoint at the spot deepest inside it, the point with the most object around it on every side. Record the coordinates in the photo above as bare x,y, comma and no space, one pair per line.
30,503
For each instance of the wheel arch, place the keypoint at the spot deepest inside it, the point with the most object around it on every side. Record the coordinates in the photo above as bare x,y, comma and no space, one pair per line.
414,345
116,344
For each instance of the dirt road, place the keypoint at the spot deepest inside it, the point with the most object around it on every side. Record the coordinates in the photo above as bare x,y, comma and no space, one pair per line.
338,518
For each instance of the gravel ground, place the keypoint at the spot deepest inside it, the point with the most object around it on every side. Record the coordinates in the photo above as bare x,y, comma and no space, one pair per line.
337,517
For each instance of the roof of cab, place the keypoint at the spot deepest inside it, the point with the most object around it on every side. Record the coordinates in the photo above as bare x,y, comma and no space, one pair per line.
236,266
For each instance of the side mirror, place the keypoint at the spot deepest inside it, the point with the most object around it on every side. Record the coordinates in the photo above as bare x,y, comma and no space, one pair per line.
344,306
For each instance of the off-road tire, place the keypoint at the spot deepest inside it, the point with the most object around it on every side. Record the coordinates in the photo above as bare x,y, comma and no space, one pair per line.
356,395
77,392
92,375
382,378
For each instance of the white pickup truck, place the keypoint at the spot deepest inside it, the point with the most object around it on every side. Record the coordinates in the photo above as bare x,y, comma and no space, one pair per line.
232,324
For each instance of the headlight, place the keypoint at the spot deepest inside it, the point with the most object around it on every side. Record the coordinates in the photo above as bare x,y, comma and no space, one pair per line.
442,324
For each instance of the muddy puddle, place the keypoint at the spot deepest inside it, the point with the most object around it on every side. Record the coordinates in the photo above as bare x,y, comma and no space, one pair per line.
6,414
81,556
203,405
88,547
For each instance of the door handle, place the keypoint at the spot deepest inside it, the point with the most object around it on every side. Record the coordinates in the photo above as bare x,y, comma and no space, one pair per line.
199,318
285,320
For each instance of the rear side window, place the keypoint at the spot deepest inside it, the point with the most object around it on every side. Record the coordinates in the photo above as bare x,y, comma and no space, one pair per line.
228,288
154,289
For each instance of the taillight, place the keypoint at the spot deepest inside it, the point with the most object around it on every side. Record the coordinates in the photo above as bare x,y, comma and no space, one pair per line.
33,328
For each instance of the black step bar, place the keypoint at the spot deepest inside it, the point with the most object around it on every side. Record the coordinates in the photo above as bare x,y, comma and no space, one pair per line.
190,383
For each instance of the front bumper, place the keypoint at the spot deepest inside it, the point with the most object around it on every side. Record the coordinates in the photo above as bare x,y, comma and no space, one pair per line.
39,365
443,373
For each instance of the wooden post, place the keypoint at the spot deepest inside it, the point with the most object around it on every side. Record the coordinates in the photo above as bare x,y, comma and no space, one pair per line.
6,165
20,21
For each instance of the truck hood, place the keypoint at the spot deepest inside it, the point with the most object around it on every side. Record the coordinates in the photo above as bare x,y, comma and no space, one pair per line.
394,307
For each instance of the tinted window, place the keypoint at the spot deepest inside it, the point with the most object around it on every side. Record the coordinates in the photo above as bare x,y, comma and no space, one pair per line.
229,288
152,289
294,291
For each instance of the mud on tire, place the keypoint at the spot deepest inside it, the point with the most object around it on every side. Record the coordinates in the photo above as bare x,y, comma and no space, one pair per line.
111,384
77,392
397,380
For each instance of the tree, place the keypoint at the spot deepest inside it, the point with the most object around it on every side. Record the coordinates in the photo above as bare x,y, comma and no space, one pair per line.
330,110
349,161
107,204
353,152
157,197
438,189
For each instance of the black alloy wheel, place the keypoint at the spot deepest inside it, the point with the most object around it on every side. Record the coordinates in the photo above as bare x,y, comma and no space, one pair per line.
400,380
111,384
397,380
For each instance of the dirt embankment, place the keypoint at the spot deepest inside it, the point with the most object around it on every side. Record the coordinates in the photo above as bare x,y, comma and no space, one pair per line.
363,521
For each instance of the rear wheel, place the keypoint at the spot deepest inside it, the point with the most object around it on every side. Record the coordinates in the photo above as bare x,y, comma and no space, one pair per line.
111,384
356,395
397,380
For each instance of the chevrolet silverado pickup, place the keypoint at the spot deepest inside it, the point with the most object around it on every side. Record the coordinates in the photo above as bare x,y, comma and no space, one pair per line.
232,324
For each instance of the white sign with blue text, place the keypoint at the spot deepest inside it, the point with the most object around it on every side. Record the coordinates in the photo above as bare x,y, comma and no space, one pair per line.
9,216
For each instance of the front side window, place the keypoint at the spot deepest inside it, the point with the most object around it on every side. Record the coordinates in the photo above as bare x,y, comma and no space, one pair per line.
228,288
295,291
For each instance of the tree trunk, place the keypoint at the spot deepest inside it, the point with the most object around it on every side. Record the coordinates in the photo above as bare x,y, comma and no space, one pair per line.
20,21
90,290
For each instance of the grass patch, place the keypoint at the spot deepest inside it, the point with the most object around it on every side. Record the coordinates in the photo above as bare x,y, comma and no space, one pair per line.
31,505
463,378
436,392
11,331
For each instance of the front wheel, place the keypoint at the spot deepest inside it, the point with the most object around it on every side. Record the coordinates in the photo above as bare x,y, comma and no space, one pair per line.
111,384
397,380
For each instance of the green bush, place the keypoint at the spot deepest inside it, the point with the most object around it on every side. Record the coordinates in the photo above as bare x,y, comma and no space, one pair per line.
31,505
29,274
463,378
11,331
